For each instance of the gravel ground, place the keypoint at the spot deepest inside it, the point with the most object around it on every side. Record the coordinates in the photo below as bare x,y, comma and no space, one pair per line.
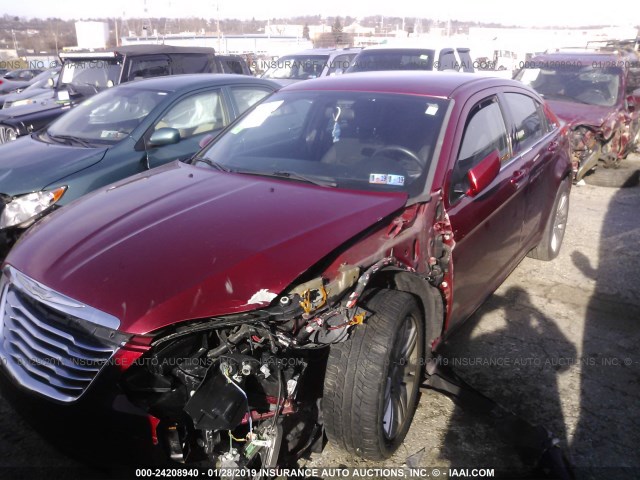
558,343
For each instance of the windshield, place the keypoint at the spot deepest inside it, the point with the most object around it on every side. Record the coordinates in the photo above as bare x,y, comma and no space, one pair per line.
356,140
589,85
94,73
378,60
297,67
107,117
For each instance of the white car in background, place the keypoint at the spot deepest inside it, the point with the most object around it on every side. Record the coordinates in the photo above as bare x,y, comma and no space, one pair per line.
396,57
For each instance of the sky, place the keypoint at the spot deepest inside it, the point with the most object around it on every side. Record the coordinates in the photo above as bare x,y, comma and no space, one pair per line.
512,12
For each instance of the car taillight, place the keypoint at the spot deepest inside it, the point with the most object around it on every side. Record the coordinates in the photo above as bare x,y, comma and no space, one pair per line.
130,352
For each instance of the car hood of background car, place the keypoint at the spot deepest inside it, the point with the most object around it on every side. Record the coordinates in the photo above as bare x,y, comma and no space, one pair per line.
28,165
38,95
186,242
43,106
580,114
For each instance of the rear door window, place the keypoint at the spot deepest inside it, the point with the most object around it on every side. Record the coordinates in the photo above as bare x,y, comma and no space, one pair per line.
340,63
447,60
233,66
145,67
245,97
192,63
466,60
529,124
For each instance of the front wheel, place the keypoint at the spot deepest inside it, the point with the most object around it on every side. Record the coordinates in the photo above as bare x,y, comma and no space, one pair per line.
373,379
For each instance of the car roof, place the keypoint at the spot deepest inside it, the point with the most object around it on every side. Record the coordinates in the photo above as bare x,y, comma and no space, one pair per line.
324,51
587,56
433,84
138,50
197,80
399,48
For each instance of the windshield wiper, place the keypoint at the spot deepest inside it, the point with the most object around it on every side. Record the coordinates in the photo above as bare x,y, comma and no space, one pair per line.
69,139
211,163
321,181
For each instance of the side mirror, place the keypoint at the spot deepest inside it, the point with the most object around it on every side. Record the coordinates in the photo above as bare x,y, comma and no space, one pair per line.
481,176
164,136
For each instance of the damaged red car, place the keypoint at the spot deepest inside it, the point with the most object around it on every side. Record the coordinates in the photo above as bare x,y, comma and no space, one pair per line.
597,94
295,276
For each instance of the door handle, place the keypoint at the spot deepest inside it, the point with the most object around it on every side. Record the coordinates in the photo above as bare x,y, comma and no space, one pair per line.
517,177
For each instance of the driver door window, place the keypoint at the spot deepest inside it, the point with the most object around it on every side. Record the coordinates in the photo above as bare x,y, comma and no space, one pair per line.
485,131
195,115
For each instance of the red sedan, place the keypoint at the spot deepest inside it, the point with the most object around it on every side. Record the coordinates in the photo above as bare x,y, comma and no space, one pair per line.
296,274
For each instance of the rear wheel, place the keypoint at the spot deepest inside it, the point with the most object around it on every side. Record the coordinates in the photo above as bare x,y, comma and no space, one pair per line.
549,246
373,379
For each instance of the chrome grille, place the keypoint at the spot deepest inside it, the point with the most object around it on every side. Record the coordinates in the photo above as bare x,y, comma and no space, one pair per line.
51,344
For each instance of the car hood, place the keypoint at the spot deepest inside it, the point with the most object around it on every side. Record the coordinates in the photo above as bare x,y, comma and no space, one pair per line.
9,85
44,105
39,94
185,242
580,114
28,165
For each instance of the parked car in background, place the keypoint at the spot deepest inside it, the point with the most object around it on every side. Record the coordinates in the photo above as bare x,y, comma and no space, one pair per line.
409,58
314,63
17,79
232,64
22,74
294,276
86,73
120,132
40,88
596,94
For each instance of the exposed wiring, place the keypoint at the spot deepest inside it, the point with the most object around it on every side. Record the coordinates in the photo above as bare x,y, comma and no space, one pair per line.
280,399
236,439
225,372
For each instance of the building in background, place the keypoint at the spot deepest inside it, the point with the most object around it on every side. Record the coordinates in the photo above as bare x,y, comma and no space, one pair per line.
92,34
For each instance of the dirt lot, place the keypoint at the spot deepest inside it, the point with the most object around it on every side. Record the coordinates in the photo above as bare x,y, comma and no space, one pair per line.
558,343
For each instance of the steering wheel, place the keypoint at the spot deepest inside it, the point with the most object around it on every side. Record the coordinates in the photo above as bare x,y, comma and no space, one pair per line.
408,154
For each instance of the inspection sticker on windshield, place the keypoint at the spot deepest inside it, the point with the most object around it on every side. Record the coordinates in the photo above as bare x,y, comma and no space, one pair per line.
110,134
386,179
432,109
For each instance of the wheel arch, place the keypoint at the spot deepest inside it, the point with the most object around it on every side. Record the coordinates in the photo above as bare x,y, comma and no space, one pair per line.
430,302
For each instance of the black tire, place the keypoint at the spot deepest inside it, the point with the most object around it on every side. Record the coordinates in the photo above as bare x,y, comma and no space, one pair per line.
368,370
625,175
549,246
